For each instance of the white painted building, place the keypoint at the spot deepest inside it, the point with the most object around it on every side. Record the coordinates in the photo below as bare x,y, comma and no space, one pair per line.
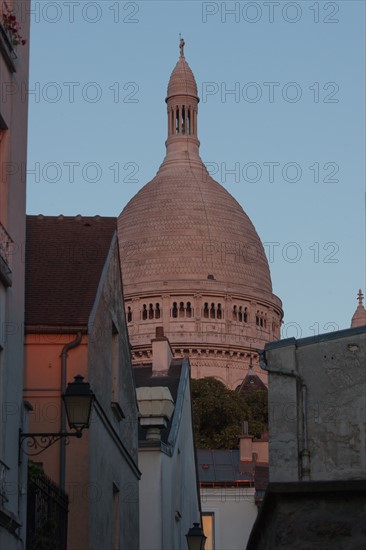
169,493
232,486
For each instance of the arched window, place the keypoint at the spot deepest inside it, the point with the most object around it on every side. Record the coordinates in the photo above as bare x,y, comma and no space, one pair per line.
151,311
219,311
175,310
240,314
205,310
157,311
177,120
129,315
235,313
212,311
257,320
183,120
144,312
245,315
181,309
189,310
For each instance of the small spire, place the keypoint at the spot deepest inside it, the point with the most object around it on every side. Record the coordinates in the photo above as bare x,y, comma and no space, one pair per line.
360,297
181,45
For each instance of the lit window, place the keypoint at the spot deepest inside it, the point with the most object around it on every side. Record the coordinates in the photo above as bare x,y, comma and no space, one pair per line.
208,524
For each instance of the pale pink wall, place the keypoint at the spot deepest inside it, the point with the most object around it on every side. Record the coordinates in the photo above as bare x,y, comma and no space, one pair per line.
42,383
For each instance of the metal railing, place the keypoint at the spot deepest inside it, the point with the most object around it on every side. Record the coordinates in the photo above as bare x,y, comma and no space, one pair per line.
3,472
47,509
6,246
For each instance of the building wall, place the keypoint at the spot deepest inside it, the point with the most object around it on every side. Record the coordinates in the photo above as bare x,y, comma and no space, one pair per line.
13,155
234,512
331,387
169,501
113,454
300,516
218,340
180,493
150,497
101,468
42,388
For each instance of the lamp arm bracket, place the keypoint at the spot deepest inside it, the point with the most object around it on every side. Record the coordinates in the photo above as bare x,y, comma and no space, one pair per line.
33,444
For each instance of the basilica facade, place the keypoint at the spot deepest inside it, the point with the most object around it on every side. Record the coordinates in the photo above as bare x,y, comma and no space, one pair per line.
192,261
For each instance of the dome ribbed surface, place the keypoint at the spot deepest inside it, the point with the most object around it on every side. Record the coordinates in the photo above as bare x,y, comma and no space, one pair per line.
183,225
182,81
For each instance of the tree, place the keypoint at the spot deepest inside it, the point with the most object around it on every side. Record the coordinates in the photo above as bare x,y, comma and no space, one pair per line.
218,414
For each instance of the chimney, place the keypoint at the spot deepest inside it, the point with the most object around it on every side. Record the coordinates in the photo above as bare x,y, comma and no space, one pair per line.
246,443
156,407
260,447
162,353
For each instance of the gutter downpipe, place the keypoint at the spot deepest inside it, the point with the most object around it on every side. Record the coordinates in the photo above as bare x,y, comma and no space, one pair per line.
65,349
304,452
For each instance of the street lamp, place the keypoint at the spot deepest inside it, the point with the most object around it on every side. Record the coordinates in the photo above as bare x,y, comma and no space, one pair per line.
196,538
78,400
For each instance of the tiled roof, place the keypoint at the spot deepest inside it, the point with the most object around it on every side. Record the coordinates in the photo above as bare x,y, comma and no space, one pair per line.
251,382
143,378
223,466
64,262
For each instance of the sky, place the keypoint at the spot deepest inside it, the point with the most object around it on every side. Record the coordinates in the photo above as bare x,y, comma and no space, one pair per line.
281,125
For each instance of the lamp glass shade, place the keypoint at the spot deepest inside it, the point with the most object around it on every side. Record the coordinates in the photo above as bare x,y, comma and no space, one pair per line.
78,399
196,538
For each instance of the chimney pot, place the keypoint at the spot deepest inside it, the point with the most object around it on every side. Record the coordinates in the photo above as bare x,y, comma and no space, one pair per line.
159,332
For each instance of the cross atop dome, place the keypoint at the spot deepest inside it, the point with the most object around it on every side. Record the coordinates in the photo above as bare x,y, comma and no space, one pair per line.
360,297
181,45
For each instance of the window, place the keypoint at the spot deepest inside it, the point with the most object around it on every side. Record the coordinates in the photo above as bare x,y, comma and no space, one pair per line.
115,364
115,518
188,310
157,311
240,314
208,524
175,310
245,315
219,311
212,311
144,312
205,310
129,314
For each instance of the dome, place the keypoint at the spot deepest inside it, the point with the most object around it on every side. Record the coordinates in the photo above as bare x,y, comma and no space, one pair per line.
182,80
185,226
359,316
192,262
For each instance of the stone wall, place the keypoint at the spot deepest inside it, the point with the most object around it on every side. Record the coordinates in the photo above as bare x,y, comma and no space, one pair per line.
317,389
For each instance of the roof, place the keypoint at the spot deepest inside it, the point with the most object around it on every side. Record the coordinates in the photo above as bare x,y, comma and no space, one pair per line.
251,382
144,378
64,262
223,466
359,316
310,340
182,81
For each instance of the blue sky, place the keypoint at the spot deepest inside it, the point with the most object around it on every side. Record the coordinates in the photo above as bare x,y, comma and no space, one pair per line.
288,142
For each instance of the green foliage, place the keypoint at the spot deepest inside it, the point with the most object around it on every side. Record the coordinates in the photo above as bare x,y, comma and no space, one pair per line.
218,414
34,471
